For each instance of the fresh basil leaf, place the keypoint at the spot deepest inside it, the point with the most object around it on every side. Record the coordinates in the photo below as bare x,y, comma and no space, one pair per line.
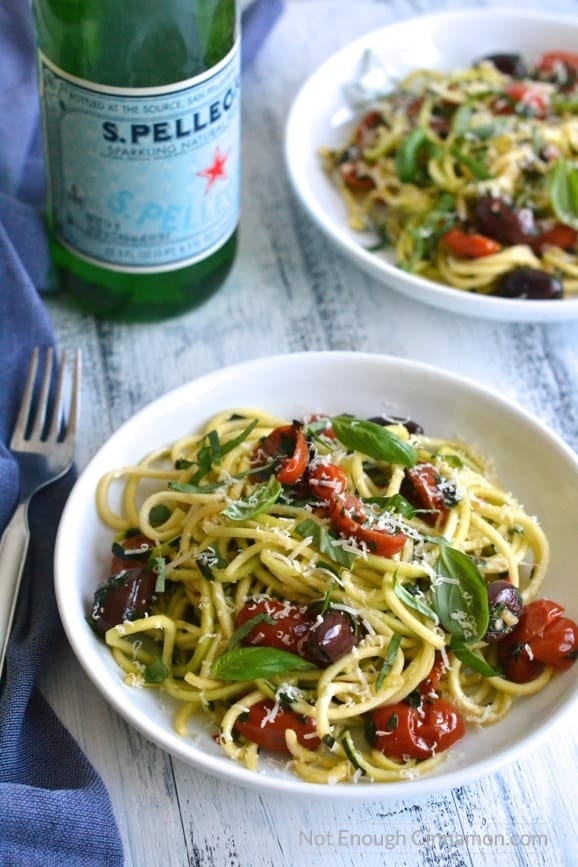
476,167
215,445
472,660
373,440
236,441
156,672
262,498
395,503
389,659
462,119
325,542
459,595
250,663
564,192
408,598
243,630
408,160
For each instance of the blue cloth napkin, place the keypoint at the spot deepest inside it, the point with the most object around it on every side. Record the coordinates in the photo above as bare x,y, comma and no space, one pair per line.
54,808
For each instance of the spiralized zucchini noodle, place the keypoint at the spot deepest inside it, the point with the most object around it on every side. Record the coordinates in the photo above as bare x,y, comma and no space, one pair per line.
238,544
470,177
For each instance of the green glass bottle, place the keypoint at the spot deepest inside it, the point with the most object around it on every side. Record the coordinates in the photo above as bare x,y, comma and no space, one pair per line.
141,114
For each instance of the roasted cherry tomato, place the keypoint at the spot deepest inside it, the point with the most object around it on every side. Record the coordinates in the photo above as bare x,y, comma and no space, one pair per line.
354,175
403,732
559,235
523,97
326,480
289,446
126,596
140,544
542,637
557,645
348,516
470,245
266,723
550,61
282,624
422,487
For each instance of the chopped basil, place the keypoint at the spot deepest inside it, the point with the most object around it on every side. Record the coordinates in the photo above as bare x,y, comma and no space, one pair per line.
209,559
243,630
259,500
159,565
250,663
388,661
156,672
476,167
459,595
395,503
325,542
409,160
373,440
392,723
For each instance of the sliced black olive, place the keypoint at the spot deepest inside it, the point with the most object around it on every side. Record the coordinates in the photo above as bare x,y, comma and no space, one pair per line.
505,603
509,64
529,283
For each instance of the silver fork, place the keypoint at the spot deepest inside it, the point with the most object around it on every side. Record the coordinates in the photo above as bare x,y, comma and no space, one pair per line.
43,444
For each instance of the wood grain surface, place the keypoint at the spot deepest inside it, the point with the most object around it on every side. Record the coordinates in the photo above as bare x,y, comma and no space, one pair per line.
289,291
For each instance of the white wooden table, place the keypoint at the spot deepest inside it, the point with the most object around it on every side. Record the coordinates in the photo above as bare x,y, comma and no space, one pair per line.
290,291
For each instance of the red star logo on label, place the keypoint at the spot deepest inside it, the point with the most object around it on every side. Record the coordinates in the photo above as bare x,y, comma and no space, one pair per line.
216,171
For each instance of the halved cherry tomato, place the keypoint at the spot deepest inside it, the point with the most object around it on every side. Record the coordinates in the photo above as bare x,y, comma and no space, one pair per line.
403,732
327,480
290,630
265,724
347,514
549,61
139,542
289,445
522,94
421,488
471,245
558,236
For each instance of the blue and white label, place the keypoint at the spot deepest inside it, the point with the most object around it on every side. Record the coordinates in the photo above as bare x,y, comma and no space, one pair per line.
143,180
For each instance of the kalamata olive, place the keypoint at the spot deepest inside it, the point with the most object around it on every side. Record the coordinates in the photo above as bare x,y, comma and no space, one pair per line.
333,634
496,219
529,283
505,603
411,426
126,596
509,64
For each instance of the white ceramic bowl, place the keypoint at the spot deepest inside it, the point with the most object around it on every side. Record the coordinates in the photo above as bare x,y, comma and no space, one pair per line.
532,462
322,117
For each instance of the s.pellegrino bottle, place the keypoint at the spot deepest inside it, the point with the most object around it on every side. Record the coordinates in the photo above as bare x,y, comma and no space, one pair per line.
141,114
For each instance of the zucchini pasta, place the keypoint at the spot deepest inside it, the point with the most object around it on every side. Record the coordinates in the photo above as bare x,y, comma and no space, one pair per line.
347,593
470,177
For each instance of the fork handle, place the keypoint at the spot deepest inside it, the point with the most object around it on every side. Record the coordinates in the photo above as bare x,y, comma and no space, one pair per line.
13,550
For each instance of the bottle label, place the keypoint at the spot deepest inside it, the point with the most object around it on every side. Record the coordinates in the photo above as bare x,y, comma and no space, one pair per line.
143,180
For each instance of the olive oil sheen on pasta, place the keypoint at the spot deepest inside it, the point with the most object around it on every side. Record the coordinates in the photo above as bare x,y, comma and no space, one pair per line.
141,112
